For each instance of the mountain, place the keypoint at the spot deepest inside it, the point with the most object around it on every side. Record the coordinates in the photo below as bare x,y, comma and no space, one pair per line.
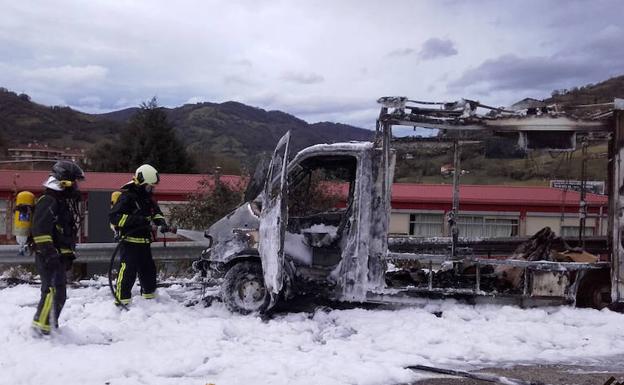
22,121
234,129
229,131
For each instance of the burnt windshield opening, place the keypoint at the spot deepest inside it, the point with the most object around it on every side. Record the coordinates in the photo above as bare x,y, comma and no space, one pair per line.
321,184
319,201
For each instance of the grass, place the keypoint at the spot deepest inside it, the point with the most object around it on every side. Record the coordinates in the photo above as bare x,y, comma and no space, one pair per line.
535,170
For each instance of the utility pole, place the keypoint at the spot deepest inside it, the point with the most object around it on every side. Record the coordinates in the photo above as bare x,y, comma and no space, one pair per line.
217,176
453,215
582,202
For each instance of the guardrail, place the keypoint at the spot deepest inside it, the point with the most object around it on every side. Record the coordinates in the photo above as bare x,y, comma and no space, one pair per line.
101,252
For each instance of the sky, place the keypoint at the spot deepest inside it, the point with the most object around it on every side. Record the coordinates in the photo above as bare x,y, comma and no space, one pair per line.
318,60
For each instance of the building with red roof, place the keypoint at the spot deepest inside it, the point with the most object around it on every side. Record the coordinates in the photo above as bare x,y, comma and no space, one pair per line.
493,210
417,209
173,187
171,190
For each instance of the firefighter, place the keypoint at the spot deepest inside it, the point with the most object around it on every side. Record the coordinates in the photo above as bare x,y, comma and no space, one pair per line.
132,215
54,230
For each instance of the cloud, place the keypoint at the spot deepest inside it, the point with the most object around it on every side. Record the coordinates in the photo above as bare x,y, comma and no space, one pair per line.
243,63
596,59
90,101
67,74
354,110
311,56
195,100
303,78
435,48
510,72
401,52
238,79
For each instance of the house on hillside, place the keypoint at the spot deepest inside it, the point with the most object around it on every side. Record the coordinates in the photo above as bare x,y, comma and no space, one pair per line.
34,151
39,156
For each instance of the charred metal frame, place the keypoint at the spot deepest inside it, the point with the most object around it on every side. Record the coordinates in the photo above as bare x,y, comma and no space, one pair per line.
361,273
462,116
616,202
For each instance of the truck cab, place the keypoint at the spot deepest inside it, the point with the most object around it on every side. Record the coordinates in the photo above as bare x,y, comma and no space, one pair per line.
309,230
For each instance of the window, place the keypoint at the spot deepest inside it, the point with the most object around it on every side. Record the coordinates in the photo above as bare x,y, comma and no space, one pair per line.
573,231
488,227
426,225
4,217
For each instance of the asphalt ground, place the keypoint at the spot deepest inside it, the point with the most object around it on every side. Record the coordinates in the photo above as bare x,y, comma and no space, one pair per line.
598,371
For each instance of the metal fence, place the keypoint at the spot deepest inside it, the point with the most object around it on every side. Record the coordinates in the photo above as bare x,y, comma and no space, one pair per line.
101,252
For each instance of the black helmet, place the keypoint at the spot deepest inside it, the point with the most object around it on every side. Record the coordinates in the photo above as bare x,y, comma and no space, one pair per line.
67,170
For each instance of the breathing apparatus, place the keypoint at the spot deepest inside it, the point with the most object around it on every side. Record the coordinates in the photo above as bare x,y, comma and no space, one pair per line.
22,219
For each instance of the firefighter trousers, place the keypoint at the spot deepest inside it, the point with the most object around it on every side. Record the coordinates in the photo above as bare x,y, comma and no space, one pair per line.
136,259
53,293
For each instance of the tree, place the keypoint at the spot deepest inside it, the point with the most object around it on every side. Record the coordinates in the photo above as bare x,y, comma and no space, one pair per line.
149,138
3,145
212,200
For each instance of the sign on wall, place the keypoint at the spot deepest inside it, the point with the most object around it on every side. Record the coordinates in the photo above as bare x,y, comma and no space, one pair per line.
591,186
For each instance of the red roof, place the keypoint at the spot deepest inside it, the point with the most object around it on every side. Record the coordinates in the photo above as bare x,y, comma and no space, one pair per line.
16,180
493,194
183,184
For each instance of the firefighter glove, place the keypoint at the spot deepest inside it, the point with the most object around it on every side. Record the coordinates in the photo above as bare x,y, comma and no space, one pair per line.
49,255
69,258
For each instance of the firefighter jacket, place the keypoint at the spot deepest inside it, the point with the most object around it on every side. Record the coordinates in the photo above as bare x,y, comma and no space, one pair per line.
53,223
132,213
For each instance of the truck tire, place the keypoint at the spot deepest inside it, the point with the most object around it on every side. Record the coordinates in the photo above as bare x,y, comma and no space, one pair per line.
243,289
594,290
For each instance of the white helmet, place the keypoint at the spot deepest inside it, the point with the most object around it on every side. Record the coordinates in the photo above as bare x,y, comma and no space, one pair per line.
146,174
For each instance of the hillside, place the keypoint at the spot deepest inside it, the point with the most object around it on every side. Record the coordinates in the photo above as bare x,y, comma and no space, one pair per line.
22,120
602,92
232,134
537,168
234,129
226,134
483,162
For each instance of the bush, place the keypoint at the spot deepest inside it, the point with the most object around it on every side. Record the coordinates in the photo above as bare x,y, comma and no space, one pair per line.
212,200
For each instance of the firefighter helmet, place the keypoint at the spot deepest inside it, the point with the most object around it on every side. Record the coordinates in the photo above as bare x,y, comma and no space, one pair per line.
146,174
66,172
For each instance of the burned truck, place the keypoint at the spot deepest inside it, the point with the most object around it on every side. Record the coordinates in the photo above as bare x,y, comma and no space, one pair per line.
284,242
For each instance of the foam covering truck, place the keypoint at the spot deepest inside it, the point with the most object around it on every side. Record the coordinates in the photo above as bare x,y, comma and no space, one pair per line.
292,238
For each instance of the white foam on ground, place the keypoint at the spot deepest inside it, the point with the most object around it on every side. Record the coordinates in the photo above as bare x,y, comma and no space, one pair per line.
163,342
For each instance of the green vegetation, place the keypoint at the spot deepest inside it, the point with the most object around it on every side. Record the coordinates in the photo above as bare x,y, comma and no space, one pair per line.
148,138
227,135
22,121
232,135
212,200
602,92
537,168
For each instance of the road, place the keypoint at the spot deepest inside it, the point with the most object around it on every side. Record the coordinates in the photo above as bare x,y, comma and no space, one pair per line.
591,373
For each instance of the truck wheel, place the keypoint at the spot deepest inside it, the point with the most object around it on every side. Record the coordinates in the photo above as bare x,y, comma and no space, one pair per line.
243,289
595,290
